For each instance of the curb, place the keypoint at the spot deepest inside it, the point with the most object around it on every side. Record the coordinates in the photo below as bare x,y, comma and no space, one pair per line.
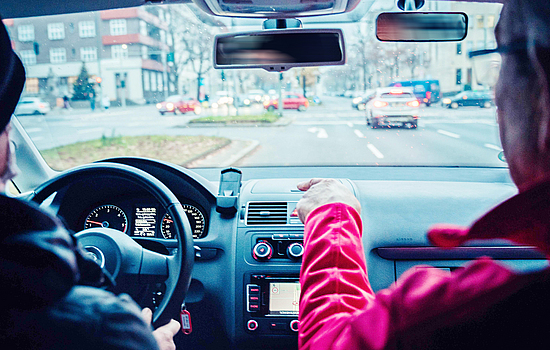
283,122
223,157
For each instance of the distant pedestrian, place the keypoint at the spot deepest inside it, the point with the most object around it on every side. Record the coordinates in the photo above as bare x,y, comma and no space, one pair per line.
66,102
92,100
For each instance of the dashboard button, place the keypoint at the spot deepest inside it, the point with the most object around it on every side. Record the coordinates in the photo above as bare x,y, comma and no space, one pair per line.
277,326
294,325
252,325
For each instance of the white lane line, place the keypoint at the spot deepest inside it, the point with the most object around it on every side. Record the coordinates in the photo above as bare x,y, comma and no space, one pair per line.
322,134
86,131
33,130
375,151
313,130
350,124
359,133
496,148
448,133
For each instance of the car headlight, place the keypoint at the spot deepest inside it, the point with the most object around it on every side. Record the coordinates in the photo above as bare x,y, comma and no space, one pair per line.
246,102
169,106
214,105
357,100
447,101
159,105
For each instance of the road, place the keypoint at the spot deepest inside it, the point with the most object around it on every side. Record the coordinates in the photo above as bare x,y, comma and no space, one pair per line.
330,134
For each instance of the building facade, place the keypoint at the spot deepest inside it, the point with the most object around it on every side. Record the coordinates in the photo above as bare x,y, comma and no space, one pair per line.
125,50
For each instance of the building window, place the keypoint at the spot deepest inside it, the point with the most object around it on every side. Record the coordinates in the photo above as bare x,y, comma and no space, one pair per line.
58,55
86,29
459,49
88,54
162,36
144,52
31,85
169,40
119,51
143,28
118,26
469,46
160,82
56,31
479,21
146,82
25,32
480,45
490,21
458,76
28,57
153,81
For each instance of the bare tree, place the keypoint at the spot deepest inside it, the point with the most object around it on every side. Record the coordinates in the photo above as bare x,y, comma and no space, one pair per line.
193,40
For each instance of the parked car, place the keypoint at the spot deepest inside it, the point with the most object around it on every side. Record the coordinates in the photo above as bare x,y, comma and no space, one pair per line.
179,103
393,107
290,101
32,105
222,98
360,102
469,98
426,91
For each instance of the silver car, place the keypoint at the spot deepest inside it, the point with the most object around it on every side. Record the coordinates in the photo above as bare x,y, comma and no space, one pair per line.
393,106
32,105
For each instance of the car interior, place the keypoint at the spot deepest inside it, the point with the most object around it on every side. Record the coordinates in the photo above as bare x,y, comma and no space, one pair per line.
225,241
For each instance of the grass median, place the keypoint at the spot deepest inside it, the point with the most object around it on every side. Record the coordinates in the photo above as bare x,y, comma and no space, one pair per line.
174,149
236,119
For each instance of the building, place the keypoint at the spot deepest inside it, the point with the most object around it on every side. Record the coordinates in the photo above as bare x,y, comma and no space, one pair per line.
126,48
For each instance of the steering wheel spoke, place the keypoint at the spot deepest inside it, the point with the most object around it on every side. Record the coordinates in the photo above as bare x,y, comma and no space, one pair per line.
154,267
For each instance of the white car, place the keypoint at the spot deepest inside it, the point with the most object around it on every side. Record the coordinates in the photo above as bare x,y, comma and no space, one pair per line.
32,105
393,107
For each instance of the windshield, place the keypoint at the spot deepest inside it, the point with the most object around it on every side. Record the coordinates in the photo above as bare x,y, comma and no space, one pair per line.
140,82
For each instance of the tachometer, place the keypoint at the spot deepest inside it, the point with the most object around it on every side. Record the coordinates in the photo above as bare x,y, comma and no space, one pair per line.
196,220
109,216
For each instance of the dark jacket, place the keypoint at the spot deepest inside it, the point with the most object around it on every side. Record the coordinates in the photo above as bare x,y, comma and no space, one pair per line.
484,305
44,305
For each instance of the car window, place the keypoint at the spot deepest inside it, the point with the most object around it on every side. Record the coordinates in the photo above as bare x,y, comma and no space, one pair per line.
105,93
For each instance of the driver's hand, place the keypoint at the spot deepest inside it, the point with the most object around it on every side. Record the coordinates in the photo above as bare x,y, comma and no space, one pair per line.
321,192
163,335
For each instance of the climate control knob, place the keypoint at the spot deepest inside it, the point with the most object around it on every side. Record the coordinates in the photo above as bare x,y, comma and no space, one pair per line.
252,325
295,250
294,325
262,251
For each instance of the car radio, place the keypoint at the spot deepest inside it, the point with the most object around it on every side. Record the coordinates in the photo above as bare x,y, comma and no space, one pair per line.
272,303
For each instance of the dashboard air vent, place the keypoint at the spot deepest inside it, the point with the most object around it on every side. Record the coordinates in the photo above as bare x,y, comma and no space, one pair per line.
267,213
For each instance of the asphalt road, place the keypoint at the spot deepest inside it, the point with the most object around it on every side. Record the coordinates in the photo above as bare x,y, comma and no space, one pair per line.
332,134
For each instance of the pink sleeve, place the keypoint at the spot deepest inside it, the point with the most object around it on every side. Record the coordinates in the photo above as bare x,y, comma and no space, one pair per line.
338,309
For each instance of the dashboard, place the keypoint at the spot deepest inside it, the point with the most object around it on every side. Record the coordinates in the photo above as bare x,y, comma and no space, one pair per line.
244,293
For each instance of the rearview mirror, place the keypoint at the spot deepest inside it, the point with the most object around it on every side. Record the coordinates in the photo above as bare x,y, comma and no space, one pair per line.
279,50
421,26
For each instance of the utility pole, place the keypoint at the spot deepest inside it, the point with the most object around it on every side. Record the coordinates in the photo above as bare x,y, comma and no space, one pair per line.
164,72
99,51
280,104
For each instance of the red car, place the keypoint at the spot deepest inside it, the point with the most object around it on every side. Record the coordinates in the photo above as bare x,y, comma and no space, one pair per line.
180,103
290,101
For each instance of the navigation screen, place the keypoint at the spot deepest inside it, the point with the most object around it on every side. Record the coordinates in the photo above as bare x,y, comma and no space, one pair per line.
284,299
145,222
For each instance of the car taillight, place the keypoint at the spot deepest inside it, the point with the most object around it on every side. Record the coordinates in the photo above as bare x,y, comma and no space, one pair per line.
169,106
414,103
396,91
379,104
41,105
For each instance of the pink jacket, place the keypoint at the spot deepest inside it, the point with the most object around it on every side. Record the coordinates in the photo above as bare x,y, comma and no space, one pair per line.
338,309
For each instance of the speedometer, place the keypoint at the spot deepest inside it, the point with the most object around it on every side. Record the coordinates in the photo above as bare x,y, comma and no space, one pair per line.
196,220
109,216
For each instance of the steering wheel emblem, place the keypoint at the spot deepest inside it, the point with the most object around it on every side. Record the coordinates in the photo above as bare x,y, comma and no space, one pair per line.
96,254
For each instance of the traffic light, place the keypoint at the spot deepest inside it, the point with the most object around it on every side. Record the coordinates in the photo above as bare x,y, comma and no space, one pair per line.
98,80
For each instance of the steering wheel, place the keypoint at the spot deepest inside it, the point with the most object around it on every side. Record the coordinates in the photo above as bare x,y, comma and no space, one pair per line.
127,261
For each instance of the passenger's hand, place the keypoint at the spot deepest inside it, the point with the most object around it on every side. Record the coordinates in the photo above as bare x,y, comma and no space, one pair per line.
163,335
321,192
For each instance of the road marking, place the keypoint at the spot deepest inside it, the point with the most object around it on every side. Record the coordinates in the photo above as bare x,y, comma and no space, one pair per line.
86,131
448,133
350,124
375,151
312,130
496,148
327,122
322,134
358,133
33,130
